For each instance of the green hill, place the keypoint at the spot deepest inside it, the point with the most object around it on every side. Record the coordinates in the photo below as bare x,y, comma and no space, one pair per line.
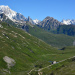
56,40
65,29
28,51
65,67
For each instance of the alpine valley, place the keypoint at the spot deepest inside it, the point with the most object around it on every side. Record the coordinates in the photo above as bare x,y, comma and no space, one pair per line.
34,47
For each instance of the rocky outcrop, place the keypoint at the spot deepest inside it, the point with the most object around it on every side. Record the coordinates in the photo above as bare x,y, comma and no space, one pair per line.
30,20
10,62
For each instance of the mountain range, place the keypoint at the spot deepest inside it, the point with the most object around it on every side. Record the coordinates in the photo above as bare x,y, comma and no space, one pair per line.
14,16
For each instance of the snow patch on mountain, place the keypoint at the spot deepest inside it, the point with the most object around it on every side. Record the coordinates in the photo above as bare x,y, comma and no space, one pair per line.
68,22
7,11
11,14
36,21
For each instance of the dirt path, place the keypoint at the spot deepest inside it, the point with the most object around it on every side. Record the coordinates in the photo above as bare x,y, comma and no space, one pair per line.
30,72
49,65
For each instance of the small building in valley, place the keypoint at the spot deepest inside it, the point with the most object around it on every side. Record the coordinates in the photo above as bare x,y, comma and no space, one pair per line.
54,62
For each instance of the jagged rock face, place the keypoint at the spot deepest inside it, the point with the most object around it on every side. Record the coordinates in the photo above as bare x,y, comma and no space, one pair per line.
34,22
19,17
49,23
26,28
30,20
3,17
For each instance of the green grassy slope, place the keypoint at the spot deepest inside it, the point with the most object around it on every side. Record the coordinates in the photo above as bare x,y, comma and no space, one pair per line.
56,40
26,50
66,67
63,68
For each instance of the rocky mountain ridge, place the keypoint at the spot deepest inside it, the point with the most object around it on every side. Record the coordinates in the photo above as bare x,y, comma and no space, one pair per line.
49,23
14,16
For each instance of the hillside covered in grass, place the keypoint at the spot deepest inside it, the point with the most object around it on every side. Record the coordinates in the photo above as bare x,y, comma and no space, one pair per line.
63,67
56,40
28,51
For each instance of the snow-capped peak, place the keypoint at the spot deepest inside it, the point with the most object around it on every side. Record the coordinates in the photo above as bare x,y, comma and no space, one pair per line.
7,11
14,16
68,21
3,6
36,21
